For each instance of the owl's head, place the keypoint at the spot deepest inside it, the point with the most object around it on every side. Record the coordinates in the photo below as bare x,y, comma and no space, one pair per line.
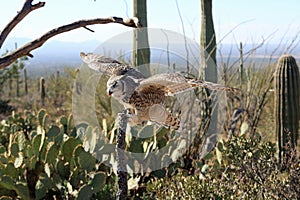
121,87
115,87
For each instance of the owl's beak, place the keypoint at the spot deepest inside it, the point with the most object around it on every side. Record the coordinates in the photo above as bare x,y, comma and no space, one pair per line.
109,92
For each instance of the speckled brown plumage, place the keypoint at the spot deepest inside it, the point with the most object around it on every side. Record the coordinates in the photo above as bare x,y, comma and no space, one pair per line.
147,97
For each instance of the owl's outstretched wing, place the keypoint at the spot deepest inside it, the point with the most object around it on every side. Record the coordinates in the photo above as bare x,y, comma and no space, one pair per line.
108,65
176,83
210,85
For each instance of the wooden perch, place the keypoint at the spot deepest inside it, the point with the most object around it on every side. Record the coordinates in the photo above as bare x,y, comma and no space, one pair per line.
26,9
27,48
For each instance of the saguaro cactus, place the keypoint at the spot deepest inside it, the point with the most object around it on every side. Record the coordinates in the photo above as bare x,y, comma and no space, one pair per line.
57,88
17,84
208,72
42,90
287,99
25,82
208,42
141,50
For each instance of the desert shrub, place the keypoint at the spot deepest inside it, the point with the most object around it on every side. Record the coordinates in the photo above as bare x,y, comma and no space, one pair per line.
242,168
5,107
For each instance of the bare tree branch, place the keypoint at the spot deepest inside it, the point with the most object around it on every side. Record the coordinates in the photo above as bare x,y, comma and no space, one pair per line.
26,9
27,48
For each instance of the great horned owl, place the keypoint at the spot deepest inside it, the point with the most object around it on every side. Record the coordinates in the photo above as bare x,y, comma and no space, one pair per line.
145,96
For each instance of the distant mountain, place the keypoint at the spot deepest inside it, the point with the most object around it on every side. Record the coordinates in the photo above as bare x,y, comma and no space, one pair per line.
54,55
62,53
10,44
53,52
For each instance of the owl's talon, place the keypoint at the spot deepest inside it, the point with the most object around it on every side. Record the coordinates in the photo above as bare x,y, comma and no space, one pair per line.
160,124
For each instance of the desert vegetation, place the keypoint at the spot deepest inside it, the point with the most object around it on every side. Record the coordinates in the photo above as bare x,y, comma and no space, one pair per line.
42,155
46,154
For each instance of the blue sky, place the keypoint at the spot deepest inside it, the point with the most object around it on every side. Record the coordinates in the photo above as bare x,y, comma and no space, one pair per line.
251,20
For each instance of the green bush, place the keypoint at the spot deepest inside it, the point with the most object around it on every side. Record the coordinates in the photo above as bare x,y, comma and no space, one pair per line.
242,168
5,107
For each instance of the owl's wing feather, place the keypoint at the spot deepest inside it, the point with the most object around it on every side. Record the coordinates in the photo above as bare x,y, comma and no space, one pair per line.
104,64
171,84
176,83
165,79
210,85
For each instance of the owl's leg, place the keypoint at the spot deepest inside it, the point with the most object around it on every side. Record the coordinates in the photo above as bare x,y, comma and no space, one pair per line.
133,119
130,111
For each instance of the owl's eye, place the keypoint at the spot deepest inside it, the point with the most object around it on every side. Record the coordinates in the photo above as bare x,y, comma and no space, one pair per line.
114,84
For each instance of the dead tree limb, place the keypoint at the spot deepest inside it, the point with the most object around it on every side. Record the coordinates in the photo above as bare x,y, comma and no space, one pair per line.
26,9
27,48
121,157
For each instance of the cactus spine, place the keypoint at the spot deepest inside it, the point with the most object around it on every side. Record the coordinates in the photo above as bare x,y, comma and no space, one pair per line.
287,93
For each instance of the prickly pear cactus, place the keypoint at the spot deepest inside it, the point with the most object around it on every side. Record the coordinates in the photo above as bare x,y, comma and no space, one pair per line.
287,99
39,160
